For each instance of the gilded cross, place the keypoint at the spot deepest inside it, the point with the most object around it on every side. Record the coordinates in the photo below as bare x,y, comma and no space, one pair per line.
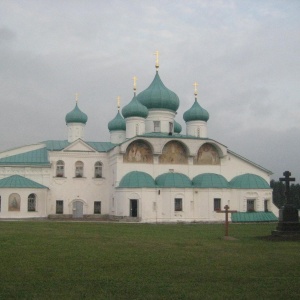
134,83
156,53
118,102
76,97
195,88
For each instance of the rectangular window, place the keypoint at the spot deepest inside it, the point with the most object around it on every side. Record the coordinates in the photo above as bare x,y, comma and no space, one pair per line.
170,127
97,207
251,205
0,203
178,204
59,206
266,208
156,126
217,204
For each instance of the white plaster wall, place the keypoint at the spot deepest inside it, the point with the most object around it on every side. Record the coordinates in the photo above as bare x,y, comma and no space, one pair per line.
164,116
41,203
192,128
86,189
117,136
131,126
75,131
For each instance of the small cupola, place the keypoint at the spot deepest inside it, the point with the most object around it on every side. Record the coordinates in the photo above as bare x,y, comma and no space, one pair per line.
76,120
135,114
117,127
196,118
177,127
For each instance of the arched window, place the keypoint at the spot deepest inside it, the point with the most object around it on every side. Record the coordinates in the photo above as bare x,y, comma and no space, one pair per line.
79,169
98,169
14,202
60,169
32,202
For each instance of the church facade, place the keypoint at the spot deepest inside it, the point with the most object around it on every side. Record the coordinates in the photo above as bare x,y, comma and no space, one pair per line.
149,171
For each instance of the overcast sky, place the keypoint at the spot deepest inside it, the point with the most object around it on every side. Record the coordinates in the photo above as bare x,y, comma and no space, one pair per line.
245,55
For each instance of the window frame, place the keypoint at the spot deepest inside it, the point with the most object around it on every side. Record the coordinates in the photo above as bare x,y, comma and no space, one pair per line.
157,126
31,202
251,205
217,204
60,168
98,169
79,169
178,204
97,210
59,204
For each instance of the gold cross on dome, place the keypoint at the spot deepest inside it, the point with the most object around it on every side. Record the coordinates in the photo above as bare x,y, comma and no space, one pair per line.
119,102
195,88
76,97
156,53
134,83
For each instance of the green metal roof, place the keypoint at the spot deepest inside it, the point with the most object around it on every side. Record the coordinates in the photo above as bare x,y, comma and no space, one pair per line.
210,180
248,181
17,181
102,146
176,180
259,216
196,113
157,96
35,157
135,109
53,145
136,179
76,116
117,123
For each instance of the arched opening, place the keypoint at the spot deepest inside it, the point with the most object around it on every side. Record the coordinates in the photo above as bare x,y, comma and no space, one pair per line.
174,152
31,205
138,151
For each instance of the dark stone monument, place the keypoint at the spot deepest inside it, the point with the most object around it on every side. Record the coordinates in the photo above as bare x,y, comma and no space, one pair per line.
288,214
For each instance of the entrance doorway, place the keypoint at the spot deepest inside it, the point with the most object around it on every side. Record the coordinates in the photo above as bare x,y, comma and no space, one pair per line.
77,209
133,207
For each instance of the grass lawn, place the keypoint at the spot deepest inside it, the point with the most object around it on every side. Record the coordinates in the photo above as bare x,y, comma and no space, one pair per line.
91,260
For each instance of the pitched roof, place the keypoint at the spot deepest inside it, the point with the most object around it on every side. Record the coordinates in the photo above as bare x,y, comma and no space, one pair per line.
17,181
35,157
56,145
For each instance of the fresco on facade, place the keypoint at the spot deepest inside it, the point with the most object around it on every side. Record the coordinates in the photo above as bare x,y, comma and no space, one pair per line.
138,151
173,153
207,155
14,202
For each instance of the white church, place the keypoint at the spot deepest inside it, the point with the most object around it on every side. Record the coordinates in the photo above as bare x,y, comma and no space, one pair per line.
148,172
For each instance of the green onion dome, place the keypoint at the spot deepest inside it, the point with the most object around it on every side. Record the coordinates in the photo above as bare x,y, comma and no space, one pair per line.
118,123
76,116
248,181
196,113
157,96
135,109
177,127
